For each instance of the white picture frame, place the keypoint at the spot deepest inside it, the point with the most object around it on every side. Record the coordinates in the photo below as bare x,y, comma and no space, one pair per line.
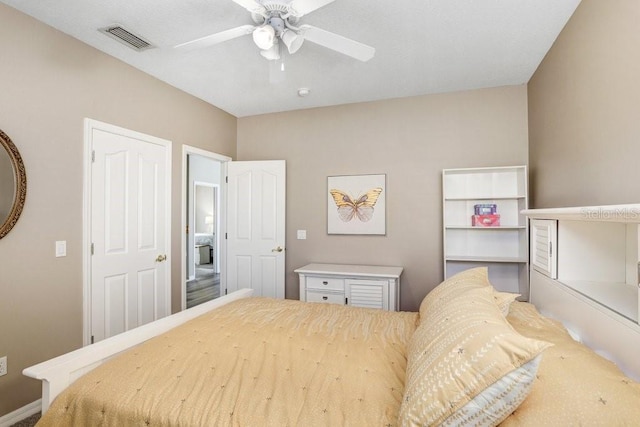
356,204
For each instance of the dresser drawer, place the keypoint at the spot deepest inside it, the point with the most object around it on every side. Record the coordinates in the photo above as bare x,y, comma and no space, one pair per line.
326,297
325,283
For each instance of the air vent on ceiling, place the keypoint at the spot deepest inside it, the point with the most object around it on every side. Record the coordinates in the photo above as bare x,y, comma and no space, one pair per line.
126,37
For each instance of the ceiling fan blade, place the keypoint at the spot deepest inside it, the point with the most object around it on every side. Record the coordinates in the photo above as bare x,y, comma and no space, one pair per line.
299,8
216,38
338,43
252,6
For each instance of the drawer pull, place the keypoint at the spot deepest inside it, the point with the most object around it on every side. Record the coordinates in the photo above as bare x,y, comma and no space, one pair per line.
325,298
324,282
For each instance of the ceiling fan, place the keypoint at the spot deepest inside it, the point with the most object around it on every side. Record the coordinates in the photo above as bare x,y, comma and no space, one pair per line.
276,23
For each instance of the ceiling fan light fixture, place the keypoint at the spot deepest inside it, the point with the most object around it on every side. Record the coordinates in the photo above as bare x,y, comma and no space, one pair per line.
292,40
272,53
264,37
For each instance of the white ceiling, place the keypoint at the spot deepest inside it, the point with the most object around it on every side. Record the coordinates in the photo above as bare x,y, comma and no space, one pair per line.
422,47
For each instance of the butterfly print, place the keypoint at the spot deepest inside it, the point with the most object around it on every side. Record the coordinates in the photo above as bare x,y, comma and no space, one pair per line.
361,207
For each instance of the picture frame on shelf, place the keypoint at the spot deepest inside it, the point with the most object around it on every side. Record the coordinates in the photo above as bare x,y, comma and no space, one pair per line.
356,204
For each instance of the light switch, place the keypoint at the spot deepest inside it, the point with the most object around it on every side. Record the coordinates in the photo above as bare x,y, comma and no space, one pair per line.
61,248
302,234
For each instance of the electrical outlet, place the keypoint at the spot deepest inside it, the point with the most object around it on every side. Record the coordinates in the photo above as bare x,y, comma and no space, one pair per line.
3,365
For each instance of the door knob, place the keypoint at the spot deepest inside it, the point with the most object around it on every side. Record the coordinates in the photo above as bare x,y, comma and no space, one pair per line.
161,258
278,249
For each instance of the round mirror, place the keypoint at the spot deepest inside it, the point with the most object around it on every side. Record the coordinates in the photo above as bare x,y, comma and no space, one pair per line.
13,184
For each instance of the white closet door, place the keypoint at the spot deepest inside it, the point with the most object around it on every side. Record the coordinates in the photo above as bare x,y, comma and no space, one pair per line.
130,223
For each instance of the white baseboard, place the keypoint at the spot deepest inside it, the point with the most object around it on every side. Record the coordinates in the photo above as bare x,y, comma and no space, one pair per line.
21,414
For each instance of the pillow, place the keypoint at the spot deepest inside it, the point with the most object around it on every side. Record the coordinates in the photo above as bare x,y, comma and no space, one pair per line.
494,404
473,278
465,362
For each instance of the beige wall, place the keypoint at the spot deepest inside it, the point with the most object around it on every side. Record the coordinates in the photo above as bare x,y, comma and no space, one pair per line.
49,83
584,127
410,140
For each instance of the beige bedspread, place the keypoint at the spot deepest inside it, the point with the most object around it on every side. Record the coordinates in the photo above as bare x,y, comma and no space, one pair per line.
254,362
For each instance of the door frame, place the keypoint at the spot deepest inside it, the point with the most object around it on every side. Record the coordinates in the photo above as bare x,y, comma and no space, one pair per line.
89,126
186,151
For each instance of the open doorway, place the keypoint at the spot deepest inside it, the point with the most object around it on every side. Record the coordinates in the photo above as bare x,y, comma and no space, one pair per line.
204,273
203,207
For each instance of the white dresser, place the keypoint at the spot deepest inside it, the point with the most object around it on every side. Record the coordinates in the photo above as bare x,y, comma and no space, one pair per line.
357,285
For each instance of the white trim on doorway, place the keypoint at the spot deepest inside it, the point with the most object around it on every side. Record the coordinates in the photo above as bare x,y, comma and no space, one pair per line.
186,151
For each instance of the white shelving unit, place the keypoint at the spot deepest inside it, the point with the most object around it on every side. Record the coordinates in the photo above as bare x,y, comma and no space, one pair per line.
503,249
596,253
585,273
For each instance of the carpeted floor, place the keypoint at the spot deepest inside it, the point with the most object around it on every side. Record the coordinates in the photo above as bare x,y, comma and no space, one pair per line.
28,422
205,287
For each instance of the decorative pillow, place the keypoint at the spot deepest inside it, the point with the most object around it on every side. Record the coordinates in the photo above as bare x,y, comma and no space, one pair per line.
499,400
465,351
474,278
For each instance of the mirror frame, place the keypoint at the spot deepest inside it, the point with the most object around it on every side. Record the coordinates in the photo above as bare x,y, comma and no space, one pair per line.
20,178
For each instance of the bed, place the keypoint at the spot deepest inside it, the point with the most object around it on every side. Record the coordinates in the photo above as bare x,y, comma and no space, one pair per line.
471,356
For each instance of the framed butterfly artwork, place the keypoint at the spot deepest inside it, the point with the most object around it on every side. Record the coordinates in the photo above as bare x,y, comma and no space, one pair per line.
356,204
